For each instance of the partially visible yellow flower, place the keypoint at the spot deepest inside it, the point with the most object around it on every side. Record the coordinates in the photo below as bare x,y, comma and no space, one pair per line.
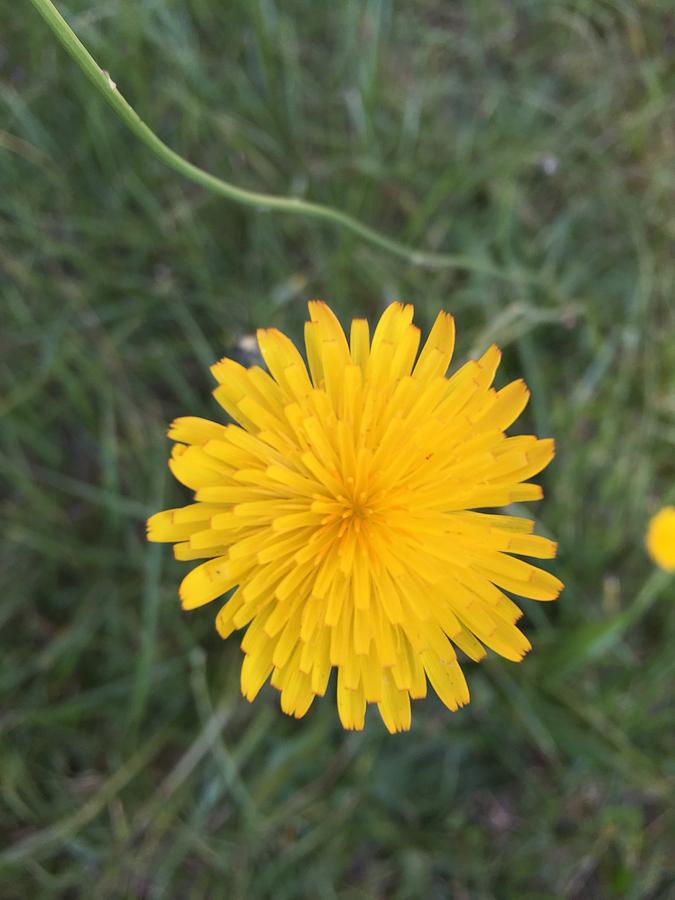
342,508
661,538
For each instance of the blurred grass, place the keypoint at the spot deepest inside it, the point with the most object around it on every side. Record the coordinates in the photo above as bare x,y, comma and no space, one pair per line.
536,137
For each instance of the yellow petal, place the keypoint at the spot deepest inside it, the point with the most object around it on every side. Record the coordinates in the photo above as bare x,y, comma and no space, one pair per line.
208,581
185,553
508,405
394,707
225,618
255,671
193,468
438,349
447,680
351,704
193,430
163,527
284,362
329,328
520,577
359,343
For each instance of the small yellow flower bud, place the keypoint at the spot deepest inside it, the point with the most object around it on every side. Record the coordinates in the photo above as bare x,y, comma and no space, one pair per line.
660,538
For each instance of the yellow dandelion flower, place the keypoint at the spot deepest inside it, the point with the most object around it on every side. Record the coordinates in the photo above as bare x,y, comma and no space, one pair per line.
342,508
660,538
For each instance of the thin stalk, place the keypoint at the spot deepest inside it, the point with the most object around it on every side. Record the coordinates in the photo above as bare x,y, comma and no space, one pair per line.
103,82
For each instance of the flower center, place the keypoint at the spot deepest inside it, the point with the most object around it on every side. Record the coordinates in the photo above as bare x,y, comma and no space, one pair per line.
355,511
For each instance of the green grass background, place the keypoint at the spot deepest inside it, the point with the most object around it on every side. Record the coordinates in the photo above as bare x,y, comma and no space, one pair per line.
534,137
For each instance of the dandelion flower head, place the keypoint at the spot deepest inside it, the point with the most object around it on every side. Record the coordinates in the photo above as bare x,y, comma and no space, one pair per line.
343,505
661,538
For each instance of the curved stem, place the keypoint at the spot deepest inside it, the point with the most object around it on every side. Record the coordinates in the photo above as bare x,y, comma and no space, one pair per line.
106,86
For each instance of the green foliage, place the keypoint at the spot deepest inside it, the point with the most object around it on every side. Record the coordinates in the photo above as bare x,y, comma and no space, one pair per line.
533,138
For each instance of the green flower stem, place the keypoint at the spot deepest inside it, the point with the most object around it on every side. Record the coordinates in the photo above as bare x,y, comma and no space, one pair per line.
263,202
